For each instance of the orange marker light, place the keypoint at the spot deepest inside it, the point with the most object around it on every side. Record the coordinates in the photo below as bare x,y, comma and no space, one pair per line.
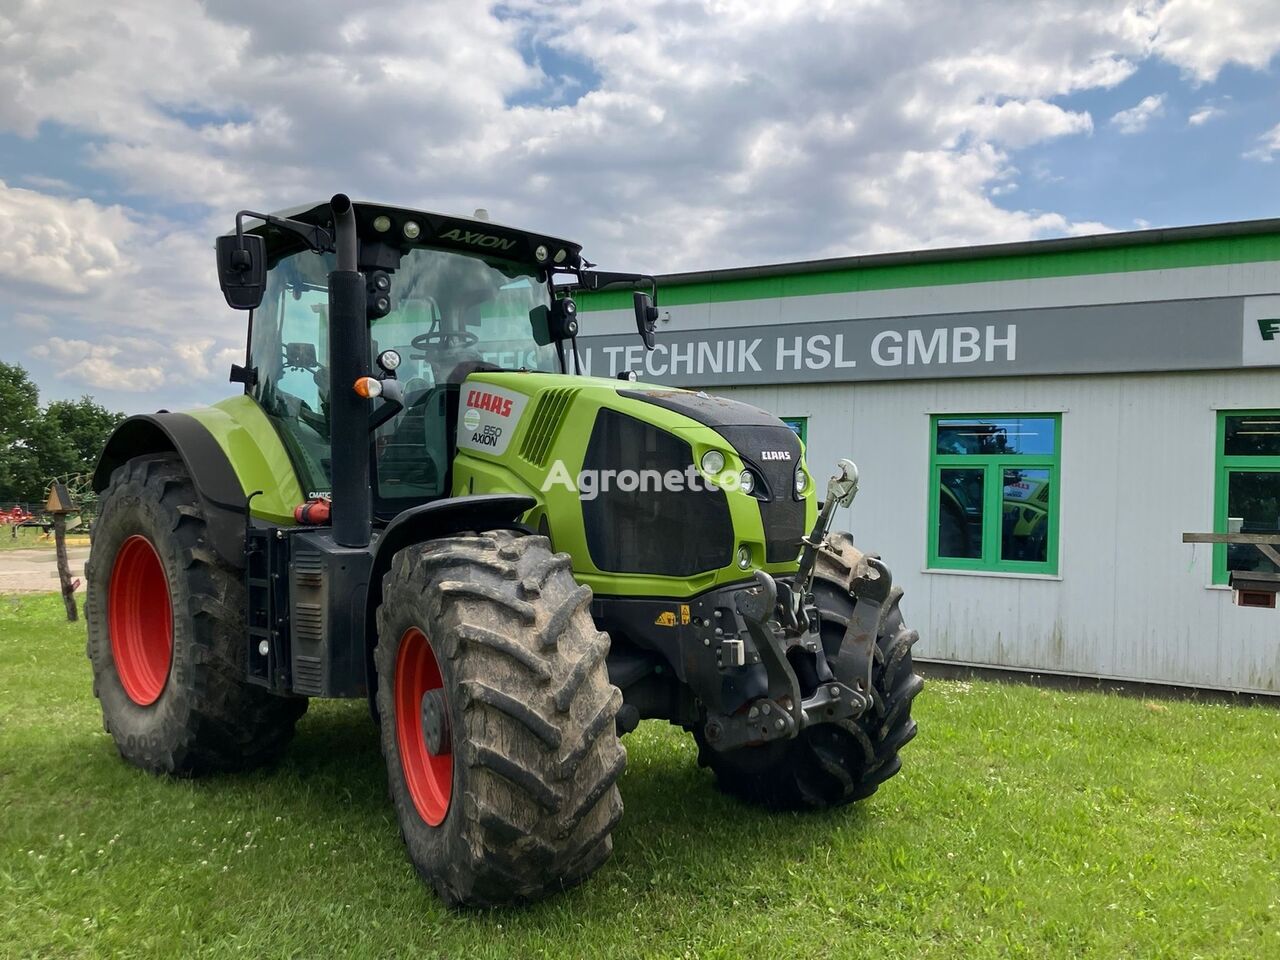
369,387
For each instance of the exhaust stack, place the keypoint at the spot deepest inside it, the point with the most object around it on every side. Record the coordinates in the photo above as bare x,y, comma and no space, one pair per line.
348,362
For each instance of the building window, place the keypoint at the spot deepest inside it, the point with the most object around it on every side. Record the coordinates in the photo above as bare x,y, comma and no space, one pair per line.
1247,498
799,426
993,493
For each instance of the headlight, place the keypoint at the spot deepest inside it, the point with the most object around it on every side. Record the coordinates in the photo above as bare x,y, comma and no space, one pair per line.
802,481
712,462
744,557
746,481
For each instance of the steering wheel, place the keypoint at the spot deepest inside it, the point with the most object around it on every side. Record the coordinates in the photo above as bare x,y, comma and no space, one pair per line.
456,338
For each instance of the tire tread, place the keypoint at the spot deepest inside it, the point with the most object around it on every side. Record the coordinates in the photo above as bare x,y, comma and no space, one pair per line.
537,758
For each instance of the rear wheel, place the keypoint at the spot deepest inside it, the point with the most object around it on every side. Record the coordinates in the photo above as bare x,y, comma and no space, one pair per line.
831,764
166,641
497,718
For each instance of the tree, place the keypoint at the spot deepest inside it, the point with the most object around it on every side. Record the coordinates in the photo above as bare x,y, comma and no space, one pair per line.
37,445
75,433
19,423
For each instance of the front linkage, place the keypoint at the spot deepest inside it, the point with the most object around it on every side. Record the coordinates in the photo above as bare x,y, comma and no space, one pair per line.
776,624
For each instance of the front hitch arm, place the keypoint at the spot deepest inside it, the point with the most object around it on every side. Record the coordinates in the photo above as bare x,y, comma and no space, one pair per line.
858,648
783,713
757,607
841,489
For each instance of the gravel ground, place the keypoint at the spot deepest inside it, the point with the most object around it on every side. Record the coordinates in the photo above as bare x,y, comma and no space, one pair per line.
36,571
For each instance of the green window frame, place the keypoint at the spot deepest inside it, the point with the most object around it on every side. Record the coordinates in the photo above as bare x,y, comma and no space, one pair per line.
986,554
800,426
1226,465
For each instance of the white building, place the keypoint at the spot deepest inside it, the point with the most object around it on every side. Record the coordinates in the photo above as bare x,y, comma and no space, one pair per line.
1036,425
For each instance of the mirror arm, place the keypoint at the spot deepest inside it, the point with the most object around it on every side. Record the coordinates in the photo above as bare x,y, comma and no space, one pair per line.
597,279
393,401
317,238
577,359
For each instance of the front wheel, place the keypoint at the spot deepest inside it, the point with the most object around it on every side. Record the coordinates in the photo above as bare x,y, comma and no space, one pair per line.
832,764
497,715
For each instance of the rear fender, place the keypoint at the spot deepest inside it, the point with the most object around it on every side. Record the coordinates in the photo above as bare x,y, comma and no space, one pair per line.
221,497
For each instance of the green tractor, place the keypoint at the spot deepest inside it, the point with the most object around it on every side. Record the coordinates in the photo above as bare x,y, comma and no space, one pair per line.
419,499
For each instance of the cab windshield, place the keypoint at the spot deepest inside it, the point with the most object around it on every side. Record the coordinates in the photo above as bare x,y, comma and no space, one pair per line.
451,315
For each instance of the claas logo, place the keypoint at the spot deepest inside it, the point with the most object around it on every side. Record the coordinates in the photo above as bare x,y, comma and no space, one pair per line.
489,401
1269,328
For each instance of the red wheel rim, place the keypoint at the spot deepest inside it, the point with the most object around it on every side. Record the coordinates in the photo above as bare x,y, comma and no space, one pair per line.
140,621
428,776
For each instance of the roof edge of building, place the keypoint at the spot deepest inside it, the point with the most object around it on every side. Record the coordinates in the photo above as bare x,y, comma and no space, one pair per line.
1100,241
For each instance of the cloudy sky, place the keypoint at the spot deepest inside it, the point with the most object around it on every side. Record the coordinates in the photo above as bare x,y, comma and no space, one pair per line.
663,134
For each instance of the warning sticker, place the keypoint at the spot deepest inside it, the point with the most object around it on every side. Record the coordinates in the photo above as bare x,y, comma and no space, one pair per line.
487,417
665,619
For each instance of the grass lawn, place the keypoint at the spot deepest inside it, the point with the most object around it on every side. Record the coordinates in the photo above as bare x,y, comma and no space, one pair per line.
1025,823
27,538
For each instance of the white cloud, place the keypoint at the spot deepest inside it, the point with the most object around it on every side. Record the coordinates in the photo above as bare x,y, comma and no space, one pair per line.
123,364
1203,36
1136,118
124,285
697,134
1018,123
1268,146
790,106
138,364
1202,115
66,246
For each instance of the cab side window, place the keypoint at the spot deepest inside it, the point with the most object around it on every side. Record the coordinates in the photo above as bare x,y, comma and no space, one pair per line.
290,352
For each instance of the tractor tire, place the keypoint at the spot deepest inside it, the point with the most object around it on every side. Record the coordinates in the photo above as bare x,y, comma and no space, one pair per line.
166,620
497,718
832,764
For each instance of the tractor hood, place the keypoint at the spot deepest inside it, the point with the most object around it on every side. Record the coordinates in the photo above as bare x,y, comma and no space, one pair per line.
756,434
546,429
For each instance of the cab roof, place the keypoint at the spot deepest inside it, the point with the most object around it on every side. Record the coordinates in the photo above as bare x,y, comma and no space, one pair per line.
438,230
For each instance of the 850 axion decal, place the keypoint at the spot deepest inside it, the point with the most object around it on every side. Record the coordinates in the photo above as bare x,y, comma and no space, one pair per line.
488,417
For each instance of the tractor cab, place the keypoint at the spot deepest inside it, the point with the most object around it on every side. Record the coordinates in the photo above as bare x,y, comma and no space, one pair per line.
445,297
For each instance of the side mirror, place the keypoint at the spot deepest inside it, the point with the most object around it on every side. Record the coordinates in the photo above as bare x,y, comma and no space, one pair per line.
242,270
554,323
540,324
646,318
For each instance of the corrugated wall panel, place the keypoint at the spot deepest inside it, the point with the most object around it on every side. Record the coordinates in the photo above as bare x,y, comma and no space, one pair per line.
1137,470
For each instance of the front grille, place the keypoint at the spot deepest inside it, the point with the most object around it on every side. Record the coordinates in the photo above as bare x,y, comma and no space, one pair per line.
672,533
781,514
544,423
